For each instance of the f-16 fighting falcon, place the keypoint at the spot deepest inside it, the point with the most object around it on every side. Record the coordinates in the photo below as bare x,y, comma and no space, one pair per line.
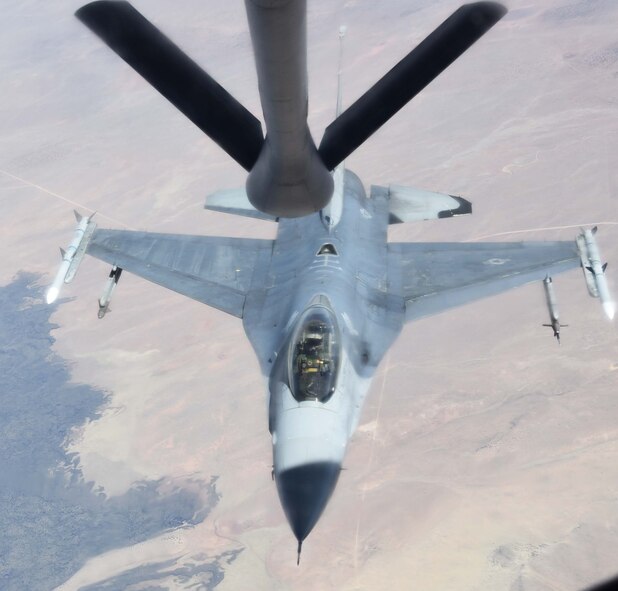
323,301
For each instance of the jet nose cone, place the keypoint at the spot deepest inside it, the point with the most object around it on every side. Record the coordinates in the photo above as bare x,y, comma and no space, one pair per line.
304,492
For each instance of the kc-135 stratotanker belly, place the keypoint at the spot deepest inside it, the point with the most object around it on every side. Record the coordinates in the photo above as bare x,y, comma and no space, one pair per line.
322,302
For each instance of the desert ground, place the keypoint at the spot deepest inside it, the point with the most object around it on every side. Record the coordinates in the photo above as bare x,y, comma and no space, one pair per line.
487,456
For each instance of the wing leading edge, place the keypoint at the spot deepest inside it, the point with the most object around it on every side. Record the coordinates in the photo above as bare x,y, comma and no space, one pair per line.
212,270
441,275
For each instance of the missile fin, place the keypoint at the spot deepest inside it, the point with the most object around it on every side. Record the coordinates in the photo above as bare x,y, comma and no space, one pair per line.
604,267
78,216
62,252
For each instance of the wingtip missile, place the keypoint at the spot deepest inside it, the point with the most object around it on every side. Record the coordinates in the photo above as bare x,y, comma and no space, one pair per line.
594,271
72,256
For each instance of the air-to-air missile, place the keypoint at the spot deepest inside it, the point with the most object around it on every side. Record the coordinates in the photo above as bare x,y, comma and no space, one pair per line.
72,256
552,307
106,296
594,271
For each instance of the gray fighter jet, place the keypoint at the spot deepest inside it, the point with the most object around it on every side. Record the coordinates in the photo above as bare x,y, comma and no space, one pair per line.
323,301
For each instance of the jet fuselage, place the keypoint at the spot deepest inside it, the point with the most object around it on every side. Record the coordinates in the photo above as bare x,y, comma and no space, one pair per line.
320,324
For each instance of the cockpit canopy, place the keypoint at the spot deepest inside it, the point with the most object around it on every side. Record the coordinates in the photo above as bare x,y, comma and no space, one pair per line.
314,355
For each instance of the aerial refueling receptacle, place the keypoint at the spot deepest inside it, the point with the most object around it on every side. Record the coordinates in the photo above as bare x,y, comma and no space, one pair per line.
72,256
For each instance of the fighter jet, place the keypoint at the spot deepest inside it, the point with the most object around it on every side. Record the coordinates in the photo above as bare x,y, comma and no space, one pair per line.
321,303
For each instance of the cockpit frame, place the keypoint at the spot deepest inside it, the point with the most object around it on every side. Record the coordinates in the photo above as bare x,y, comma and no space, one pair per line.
314,355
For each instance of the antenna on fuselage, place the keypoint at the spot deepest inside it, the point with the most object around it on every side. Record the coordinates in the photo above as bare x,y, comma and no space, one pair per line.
331,214
342,31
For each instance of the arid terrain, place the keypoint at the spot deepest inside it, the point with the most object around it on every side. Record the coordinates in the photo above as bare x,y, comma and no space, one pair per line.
487,456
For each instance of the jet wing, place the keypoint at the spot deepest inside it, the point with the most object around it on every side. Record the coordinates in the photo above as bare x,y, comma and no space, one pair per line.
441,275
212,270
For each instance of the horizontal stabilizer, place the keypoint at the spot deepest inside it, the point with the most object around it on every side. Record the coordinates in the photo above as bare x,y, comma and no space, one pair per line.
177,77
409,204
236,202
